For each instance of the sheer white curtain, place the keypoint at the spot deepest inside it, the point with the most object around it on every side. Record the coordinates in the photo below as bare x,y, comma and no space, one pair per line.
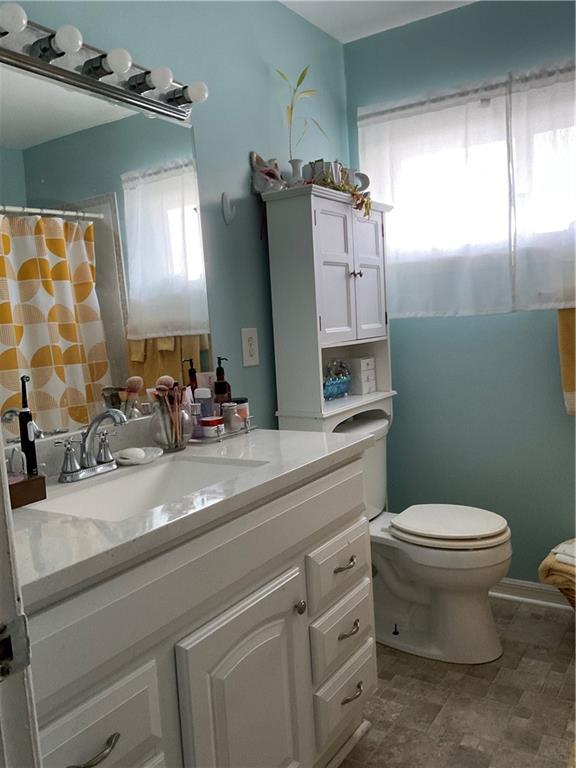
166,279
484,198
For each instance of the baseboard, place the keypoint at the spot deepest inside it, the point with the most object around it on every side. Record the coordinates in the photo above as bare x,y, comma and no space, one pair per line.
530,592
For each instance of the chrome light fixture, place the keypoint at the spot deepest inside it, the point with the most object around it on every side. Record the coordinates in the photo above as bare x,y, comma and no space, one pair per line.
159,79
66,40
195,93
63,56
117,62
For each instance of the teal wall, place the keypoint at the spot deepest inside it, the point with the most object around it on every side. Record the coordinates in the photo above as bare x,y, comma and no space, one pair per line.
235,47
479,417
12,182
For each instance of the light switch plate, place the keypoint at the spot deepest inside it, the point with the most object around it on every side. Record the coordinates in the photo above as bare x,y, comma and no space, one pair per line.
250,352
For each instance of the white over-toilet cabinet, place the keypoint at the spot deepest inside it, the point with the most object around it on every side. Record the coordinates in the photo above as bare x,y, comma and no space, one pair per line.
327,272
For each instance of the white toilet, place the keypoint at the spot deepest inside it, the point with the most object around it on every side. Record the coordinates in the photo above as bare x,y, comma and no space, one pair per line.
433,566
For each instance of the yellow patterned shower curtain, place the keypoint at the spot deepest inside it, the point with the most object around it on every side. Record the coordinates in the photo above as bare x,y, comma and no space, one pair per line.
50,322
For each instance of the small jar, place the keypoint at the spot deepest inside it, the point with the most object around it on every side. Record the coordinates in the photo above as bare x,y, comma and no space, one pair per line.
232,420
196,414
243,407
203,395
212,426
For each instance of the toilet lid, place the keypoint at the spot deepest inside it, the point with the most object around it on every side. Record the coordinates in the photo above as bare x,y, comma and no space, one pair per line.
448,522
435,543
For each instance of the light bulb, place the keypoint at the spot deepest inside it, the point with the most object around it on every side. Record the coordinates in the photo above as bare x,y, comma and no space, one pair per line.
67,39
118,61
197,92
161,78
13,18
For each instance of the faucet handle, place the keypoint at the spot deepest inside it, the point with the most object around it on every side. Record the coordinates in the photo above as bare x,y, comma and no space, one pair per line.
70,463
104,453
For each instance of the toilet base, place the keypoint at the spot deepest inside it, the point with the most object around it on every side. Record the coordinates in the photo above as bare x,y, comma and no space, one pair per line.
443,624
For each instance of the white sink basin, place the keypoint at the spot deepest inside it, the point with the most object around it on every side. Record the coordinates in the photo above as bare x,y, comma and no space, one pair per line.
130,491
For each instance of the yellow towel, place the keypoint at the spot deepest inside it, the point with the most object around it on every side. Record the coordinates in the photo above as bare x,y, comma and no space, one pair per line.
165,343
559,575
567,349
137,350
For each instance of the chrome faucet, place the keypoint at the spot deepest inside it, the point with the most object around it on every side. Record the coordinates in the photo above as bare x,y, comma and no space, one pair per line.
92,461
88,456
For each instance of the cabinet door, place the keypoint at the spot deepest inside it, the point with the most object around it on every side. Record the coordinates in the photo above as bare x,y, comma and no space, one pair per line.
334,258
244,683
369,283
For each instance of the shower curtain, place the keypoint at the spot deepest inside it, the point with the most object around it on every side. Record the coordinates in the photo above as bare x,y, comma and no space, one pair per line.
50,322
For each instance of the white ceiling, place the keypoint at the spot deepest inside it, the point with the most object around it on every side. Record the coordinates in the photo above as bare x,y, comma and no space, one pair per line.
34,110
348,20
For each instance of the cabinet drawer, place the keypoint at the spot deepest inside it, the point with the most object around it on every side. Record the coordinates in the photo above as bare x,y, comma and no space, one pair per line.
344,695
337,564
341,630
129,707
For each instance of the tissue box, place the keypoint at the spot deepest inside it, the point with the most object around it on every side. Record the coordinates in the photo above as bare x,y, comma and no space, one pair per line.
360,365
363,375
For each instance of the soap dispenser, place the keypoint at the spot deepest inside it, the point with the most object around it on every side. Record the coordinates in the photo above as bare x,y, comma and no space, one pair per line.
192,381
222,390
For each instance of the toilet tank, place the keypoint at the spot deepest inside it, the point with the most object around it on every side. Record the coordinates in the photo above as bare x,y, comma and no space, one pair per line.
374,423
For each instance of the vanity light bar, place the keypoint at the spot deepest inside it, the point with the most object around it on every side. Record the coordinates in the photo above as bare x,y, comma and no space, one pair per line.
63,56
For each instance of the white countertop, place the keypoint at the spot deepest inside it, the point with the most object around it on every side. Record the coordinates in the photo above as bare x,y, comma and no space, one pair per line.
59,554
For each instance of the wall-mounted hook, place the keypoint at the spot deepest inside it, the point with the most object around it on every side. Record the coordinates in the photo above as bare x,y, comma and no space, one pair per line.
228,209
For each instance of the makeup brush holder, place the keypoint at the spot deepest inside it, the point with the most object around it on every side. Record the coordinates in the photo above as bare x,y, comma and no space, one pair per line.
169,434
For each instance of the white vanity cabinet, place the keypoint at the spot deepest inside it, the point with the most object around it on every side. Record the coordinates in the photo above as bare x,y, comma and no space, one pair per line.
249,666
251,644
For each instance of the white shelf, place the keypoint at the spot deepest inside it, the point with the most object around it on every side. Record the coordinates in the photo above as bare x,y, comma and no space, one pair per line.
306,190
352,402
353,342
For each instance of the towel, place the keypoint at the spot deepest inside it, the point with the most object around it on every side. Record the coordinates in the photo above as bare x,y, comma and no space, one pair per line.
137,350
558,574
566,552
165,343
567,349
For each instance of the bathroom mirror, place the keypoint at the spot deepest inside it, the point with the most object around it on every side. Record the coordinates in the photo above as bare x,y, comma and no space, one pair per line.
114,290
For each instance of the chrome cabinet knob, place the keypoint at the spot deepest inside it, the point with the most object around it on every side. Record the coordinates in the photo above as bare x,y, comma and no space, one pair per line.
300,607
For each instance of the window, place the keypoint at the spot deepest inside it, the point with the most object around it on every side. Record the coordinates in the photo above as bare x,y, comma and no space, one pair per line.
484,195
166,280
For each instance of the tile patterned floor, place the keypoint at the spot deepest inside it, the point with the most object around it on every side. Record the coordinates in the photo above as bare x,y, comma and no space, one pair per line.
517,712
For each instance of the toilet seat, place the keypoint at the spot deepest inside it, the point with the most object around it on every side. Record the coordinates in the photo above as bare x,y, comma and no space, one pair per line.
449,526
423,541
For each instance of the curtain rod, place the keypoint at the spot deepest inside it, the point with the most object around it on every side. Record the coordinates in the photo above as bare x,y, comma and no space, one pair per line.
49,212
366,113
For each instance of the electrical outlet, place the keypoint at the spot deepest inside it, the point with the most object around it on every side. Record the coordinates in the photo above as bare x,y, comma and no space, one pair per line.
250,353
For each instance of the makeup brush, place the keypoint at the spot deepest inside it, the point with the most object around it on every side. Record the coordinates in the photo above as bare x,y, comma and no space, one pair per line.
161,396
165,381
133,386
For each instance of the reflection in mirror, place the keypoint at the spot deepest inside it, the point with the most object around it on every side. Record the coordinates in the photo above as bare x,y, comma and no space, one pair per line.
116,289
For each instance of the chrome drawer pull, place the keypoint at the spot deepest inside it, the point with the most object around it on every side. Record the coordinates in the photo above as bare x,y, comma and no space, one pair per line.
359,691
111,742
354,631
351,563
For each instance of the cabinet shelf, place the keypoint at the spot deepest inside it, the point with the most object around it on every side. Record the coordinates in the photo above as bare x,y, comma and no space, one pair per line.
352,402
352,342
